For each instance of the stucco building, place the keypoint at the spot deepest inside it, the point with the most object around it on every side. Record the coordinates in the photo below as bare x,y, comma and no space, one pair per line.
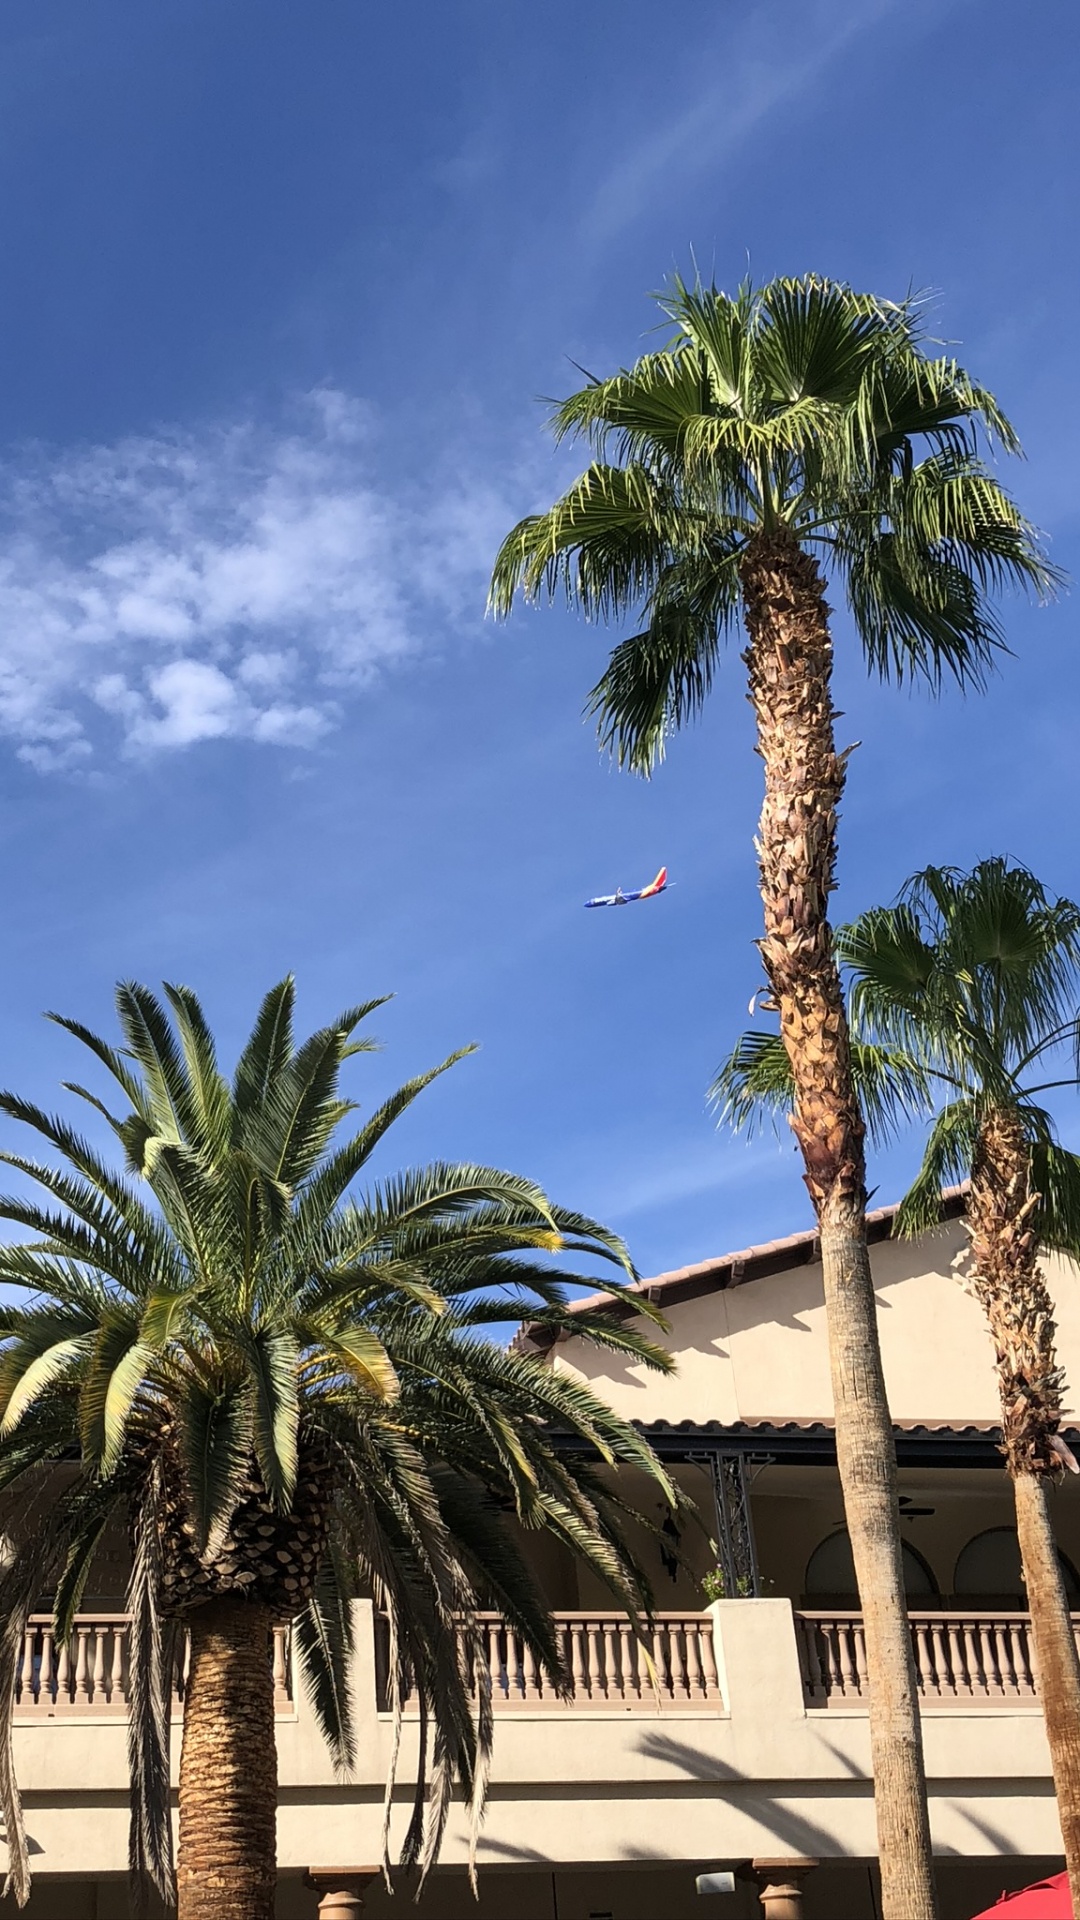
751,1745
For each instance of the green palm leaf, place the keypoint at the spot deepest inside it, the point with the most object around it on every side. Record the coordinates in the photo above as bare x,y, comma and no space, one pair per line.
801,405
256,1361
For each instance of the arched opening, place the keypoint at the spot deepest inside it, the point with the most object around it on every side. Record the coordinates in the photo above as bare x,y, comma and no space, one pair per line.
988,1570
830,1574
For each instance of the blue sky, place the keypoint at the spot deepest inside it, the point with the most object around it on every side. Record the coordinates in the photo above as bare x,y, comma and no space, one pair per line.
280,287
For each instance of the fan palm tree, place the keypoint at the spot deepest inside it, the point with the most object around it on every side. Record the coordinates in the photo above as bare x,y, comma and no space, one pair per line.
964,1002
282,1389
786,428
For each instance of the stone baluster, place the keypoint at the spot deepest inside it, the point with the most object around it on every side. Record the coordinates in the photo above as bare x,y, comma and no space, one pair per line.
992,1682
847,1654
679,1686
858,1634
946,1679
341,1890
957,1659
577,1661
97,1673
999,1636
661,1678
708,1657
815,1672
693,1660
613,1672
976,1678
1020,1642
281,1668
780,1886
515,1665
82,1666
925,1671
117,1687
629,1665
46,1672
25,1695
63,1674
596,1664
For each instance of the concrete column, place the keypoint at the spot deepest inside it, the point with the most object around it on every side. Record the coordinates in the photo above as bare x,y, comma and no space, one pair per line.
342,1890
780,1887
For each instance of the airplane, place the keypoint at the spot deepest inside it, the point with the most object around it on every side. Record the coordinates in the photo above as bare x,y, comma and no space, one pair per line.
621,899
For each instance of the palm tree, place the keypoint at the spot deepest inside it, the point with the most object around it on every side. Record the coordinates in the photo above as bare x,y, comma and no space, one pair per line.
963,997
283,1391
789,424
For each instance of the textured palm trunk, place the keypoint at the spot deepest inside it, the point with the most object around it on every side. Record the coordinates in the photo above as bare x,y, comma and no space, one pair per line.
790,665
1007,1281
227,1866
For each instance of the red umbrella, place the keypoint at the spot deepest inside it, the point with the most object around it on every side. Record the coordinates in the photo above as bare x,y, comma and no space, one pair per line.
1046,1900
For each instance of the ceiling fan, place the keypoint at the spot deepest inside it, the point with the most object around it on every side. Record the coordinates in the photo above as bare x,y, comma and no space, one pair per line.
909,1512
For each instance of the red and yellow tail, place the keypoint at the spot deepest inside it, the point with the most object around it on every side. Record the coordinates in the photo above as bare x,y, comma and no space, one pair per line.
657,886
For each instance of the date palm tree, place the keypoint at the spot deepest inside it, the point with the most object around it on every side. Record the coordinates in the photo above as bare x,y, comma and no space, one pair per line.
964,1002
787,428
280,1387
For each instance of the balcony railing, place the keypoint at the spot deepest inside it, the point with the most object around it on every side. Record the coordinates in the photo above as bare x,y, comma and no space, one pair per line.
608,1667
961,1659
91,1674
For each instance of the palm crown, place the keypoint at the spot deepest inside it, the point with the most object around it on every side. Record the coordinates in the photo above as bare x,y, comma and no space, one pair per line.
963,999
801,410
281,1389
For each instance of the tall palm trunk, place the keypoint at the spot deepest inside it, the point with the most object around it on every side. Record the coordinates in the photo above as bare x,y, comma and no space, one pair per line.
790,664
1008,1282
228,1767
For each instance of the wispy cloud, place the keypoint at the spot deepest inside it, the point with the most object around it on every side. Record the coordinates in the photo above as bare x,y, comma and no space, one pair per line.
773,57
685,1174
234,582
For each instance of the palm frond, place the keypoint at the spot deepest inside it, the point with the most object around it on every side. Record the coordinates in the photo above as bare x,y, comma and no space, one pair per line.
755,1084
947,1158
803,404
149,1705
323,1635
233,1322
215,1435
209,1092
659,679
1055,1176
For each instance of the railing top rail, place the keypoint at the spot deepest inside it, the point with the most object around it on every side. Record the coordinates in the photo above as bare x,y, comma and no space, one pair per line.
843,1615
95,1619
99,1618
571,1614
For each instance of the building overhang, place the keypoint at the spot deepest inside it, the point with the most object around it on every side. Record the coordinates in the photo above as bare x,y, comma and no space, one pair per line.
812,1443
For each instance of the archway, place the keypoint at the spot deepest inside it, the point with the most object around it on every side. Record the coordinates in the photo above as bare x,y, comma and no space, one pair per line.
988,1570
830,1574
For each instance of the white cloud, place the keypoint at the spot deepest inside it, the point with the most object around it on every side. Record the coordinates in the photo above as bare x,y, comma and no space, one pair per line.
684,1173
236,582
778,55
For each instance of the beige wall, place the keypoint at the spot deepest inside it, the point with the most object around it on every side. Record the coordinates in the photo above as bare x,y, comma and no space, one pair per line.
759,1351
760,1775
